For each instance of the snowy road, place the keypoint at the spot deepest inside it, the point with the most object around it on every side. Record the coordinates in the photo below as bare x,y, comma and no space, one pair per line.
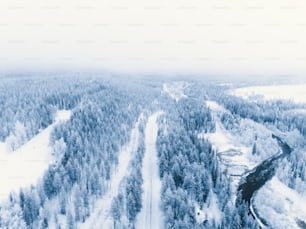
100,217
150,216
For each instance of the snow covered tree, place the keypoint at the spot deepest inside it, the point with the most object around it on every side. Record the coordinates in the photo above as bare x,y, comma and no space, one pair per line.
116,210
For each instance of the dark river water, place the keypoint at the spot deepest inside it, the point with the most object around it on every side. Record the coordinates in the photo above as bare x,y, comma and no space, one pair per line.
262,173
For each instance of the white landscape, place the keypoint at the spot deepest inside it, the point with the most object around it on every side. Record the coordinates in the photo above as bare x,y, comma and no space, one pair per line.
117,159
152,115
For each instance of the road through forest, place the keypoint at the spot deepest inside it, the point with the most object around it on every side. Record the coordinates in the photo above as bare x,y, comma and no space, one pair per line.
150,216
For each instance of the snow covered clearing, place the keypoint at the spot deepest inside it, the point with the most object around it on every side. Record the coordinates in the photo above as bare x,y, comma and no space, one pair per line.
150,216
210,211
100,216
175,90
215,107
235,145
233,155
297,93
26,165
281,206
62,115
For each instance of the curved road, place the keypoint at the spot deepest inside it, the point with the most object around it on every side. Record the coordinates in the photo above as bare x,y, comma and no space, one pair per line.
256,178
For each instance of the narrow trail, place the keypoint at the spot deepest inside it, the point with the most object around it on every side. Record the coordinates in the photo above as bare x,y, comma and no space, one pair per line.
101,217
150,216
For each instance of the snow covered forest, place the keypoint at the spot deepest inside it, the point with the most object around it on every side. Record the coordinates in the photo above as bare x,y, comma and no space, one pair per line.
100,152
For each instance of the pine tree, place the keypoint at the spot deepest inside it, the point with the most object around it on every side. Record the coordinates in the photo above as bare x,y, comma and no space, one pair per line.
116,210
254,149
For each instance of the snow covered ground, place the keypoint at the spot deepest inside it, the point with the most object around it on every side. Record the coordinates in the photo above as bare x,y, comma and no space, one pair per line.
150,216
210,211
100,217
234,156
62,116
27,164
175,90
297,93
281,206
236,144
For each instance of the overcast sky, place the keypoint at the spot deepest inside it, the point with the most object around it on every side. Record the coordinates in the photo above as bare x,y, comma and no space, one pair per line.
198,36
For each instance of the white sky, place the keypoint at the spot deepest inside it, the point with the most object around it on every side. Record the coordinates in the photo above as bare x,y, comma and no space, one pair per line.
198,36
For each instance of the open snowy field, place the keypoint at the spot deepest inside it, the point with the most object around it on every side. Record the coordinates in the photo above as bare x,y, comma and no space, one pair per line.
280,205
156,155
296,93
28,163
175,90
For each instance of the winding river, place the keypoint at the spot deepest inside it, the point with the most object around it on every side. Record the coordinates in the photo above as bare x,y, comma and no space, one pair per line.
262,173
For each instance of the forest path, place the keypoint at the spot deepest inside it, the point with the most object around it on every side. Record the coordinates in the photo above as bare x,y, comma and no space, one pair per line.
101,218
150,216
